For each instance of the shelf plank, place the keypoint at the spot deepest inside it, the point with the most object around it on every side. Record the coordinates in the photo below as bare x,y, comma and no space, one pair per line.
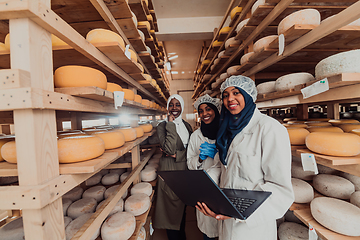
138,9
94,93
333,160
138,44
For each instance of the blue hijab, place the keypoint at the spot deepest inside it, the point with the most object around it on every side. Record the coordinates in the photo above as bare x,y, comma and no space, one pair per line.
231,125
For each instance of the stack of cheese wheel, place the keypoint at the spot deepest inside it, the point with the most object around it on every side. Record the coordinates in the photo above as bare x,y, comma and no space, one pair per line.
129,94
333,186
345,62
112,87
13,230
129,133
142,187
244,59
119,226
146,127
81,206
306,16
263,43
217,43
234,11
338,122
137,98
232,42
76,224
324,129
110,178
96,192
79,76
334,143
289,81
100,35
241,25
80,148
297,135
57,42
137,204
112,139
349,127
256,5
266,87
139,132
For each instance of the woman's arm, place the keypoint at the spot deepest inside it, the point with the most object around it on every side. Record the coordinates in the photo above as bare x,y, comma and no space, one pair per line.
167,137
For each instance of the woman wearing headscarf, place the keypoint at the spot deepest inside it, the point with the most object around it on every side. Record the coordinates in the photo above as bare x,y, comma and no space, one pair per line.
255,153
173,135
202,153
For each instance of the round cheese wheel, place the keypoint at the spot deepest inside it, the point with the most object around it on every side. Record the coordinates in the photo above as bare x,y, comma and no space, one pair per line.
355,198
297,171
324,129
92,131
266,87
142,36
112,87
81,206
345,62
352,178
134,18
256,5
306,16
66,202
79,76
297,135
293,231
112,139
232,42
349,127
145,102
303,191
142,234
294,125
137,98
8,152
3,47
7,41
119,206
146,127
129,94
241,25
289,81
112,190
80,148
119,226
130,54
337,215
75,225
96,192
149,18
246,58
74,194
56,42
263,43
224,76
144,23
320,119
225,30
67,220
104,36
13,230
232,70
137,204
338,122
217,43
93,180
216,61
129,133
72,134
318,123
110,178
139,131
142,187
234,11
333,186
333,143
148,175
124,176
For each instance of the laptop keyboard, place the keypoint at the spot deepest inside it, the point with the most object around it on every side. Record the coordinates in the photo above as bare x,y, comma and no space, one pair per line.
242,203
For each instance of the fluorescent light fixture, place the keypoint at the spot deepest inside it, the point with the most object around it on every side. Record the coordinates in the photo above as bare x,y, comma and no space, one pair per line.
168,65
174,72
173,57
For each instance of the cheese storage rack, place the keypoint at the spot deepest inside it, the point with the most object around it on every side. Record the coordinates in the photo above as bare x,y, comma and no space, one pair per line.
29,101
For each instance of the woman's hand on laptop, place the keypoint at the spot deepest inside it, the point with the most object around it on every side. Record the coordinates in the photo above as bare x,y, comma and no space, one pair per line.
206,211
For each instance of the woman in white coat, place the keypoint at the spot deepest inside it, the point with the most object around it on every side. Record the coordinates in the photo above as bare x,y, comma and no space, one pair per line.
255,153
202,153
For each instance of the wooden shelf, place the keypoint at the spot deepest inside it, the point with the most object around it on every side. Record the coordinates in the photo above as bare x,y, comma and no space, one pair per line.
138,44
94,93
138,8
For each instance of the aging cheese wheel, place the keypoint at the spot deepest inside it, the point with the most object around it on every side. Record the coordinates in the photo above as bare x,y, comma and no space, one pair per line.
119,226
142,36
112,139
8,151
2,47
217,43
146,127
124,176
7,41
333,143
232,41
129,94
142,234
71,134
79,76
137,98
297,171
110,178
145,102
112,190
134,18
318,123
56,42
337,215
234,11
345,62
263,43
130,54
303,191
139,132
223,76
352,178
241,25
145,23
256,5
355,198
246,58
112,87
81,206
232,70
66,202
96,192
297,135
137,204
100,35
349,127
289,81
266,87
338,122
306,16
67,221
333,186
216,61
74,194
295,125
148,175
119,206
129,133
80,148
224,30
75,225
93,180
13,230
142,187
324,129
152,165
292,231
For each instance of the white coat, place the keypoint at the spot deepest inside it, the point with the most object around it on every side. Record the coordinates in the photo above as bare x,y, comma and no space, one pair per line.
259,158
207,225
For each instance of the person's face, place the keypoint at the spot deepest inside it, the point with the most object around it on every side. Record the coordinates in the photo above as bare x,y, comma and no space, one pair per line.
233,100
206,113
174,107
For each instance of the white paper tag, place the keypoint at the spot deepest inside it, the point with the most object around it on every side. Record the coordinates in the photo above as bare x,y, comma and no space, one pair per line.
312,233
127,52
315,88
118,98
309,163
281,44
151,228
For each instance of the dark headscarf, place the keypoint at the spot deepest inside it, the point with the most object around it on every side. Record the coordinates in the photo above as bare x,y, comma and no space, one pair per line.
210,130
231,125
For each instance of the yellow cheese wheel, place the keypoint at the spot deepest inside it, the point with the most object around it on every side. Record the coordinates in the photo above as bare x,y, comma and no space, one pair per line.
296,121
349,127
55,41
319,119
120,225
138,98
146,127
80,148
145,23
139,132
206,61
129,133
7,41
2,142
112,87
337,122
295,125
356,131
131,55
129,94
297,135
79,76
324,129
217,43
147,77
2,47
112,139
225,30
145,102
234,11
149,18
318,123
100,35
92,131
8,152
289,119
334,144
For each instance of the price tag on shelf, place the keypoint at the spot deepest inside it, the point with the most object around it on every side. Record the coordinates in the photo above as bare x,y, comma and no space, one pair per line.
118,98
127,52
281,44
312,233
151,228
315,88
309,163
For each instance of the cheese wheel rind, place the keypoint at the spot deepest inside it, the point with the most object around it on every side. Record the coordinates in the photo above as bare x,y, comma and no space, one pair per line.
100,35
289,81
96,192
112,139
333,186
137,204
74,194
81,206
75,225
112,87
266,87
129,94
146,127
305,16
110,178
119,226
129,133
8,152
142,187
355,198
303,191
297,135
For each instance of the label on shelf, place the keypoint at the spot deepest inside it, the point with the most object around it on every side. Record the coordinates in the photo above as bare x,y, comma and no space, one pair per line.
312,233
281,44
309,163
315,88
118,98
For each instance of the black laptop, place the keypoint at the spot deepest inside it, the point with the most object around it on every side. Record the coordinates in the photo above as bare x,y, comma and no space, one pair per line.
193,186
